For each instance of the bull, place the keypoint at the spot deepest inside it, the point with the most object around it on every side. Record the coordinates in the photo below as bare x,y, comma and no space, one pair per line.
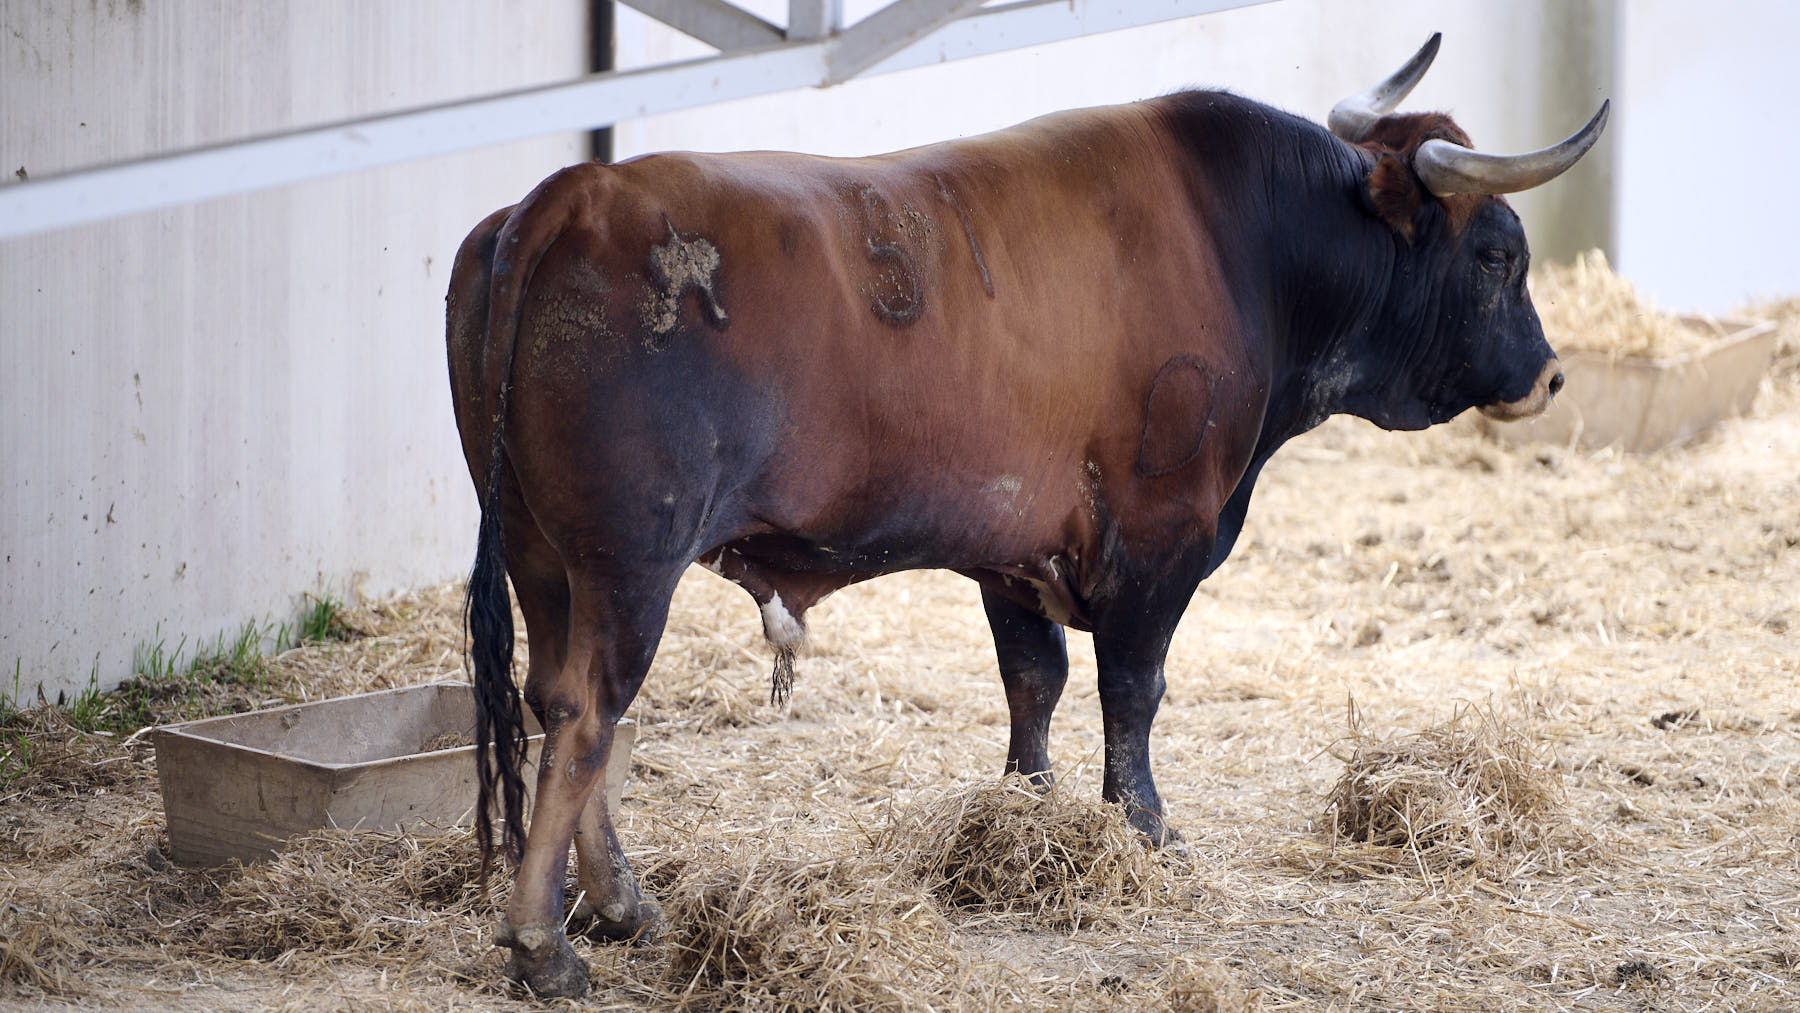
1053,359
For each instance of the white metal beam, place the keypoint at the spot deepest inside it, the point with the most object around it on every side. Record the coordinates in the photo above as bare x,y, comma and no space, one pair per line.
813,19
887,31
723,26
90,195
1028,23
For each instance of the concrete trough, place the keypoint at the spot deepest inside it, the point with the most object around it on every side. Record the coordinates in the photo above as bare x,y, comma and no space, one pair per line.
1639,405
240,786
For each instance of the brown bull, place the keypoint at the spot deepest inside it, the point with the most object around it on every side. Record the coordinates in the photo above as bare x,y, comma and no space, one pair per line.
1053,359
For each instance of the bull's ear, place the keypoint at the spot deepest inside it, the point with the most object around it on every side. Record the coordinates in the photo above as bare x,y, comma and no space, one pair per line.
1394,195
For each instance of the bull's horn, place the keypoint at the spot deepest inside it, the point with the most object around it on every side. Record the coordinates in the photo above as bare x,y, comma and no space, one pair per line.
1448,168
1354,117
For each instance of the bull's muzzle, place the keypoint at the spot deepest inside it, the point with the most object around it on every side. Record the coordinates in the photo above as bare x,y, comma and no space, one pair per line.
1549,381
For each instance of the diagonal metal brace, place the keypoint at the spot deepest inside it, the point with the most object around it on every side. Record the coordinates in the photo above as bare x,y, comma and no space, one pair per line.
723,26
886,32
813,19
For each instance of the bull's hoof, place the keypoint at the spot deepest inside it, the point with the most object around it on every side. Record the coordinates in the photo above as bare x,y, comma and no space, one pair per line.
1157,833
617,920
543,961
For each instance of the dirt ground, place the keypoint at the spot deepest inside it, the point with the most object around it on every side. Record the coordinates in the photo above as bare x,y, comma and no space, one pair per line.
1628,621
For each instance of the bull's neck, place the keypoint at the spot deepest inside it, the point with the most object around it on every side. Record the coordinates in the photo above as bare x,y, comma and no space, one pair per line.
1308,265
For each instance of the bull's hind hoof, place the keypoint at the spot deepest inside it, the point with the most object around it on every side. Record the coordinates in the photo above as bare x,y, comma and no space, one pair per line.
543,961
618,920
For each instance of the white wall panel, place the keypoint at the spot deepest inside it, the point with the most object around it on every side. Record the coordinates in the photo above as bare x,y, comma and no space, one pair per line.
213,409
1707,142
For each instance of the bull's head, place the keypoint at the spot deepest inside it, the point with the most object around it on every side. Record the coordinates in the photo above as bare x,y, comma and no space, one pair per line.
1442,196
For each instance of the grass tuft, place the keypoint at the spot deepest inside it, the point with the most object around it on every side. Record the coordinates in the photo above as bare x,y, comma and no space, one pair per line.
184,682
322,620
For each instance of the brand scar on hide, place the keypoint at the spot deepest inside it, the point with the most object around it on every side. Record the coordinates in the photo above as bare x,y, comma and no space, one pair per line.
898,269
987,280
1177,414
676,267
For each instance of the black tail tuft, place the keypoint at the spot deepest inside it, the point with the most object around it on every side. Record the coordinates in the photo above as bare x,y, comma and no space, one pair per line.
530,229
499,716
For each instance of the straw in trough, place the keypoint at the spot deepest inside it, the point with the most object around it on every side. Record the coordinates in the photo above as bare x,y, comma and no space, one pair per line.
1009,846
1585,307
1467,794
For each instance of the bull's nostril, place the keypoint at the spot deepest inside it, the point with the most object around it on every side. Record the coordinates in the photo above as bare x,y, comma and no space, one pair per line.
1556,384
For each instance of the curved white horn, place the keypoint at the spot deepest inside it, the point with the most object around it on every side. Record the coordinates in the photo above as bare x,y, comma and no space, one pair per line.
1448,168
1354,117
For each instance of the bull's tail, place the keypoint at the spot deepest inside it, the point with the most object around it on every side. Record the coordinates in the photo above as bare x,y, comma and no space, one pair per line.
500,737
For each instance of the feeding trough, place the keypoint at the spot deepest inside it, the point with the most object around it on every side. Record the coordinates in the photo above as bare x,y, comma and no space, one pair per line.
1638,379
1640,404
240,786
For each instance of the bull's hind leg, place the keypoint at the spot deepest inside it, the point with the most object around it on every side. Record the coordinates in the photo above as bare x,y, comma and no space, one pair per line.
610,905
1034,666
615,623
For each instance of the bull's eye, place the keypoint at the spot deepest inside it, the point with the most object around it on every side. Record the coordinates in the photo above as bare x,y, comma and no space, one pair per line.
1495,260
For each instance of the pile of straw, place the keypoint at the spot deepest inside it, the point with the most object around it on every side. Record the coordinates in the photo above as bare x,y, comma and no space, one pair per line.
1786,315
34,943
336,892
389,644
1470,794
753,929
1586,307
1197,986
1011,847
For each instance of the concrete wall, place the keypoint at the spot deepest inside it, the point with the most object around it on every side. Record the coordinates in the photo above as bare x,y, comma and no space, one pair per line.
214,409
1706,219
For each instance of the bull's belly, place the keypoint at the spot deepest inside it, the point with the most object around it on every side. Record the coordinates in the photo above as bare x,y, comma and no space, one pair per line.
793,574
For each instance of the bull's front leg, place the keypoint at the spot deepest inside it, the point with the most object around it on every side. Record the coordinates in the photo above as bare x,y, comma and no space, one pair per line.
1129,648
1034,666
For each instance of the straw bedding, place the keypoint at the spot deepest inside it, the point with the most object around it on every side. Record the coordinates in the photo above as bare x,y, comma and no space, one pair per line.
1572,780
